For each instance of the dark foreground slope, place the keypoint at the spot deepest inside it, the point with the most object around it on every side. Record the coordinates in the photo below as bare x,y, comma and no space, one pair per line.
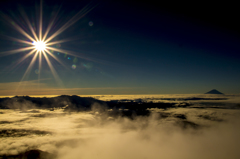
76,103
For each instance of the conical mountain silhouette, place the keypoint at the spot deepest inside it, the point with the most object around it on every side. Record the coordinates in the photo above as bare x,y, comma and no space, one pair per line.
214,91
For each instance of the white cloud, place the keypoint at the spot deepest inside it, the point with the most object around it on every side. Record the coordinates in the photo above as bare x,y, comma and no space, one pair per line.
86,135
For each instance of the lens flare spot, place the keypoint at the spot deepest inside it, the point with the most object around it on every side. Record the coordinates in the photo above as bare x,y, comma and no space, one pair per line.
75,60
69,58
90,23
39,45
74,66
37,71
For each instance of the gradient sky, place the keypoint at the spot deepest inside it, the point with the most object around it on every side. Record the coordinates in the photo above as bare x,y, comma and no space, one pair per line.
126,48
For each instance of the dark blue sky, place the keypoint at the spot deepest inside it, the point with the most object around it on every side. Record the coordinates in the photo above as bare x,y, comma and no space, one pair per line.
127,48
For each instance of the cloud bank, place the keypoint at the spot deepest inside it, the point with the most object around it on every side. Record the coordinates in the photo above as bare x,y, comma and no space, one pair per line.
175,133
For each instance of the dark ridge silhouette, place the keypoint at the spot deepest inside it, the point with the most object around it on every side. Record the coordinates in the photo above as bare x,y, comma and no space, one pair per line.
69,102
76,103
214,91
138,105
194,98
169,99
133,109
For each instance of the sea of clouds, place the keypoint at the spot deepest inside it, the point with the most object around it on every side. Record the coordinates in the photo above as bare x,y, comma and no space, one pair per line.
175,133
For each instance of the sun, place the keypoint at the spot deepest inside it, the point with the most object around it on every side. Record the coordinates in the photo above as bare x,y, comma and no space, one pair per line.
39,45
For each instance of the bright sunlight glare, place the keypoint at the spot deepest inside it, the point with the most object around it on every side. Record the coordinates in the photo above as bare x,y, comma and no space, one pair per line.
39,45
42,44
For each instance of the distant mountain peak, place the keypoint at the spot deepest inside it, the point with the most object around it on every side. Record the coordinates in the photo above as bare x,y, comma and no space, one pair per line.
214,91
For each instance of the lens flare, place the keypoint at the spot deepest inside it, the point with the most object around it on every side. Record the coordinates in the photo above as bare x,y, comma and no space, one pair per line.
74,66
42,42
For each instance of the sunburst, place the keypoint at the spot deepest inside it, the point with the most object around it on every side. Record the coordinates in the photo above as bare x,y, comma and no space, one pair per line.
42,44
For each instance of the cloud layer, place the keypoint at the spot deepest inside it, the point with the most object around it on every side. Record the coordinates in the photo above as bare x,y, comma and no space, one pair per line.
175,133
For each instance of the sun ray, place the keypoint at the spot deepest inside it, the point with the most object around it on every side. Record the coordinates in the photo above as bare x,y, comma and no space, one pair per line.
50,25
53,56
16,51
74,19
30,65
55,75
27,71
28,23
23,58
58,42
18,28
68,52
39,68
40,22
41,43
19,40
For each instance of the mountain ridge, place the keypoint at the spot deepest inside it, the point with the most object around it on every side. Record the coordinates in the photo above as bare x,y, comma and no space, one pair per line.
214,91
